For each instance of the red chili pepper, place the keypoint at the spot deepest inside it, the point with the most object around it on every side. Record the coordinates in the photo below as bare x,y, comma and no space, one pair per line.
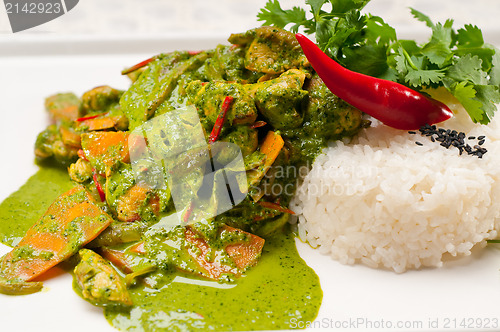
82,155
275,206
137,66
87,118
392,103
194,52
102,195
214,135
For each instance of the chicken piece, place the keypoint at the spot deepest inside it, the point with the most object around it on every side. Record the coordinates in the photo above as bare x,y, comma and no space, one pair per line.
98,282
63,107
228,64
270,50
50,144
245,137
208,99
99,99
80,171
280,100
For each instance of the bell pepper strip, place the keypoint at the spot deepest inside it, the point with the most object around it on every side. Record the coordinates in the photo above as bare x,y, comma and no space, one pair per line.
392,103
73,220
137,66
214,135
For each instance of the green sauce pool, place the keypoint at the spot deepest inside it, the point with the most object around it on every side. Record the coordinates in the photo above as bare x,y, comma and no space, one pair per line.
277,293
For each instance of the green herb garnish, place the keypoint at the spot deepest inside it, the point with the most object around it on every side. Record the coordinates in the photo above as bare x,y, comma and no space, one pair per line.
458,60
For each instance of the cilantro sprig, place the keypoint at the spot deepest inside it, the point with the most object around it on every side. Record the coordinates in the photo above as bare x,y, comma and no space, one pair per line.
458,60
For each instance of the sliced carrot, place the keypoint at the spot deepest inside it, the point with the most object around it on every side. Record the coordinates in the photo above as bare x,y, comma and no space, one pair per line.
129,205
247,253
63,106
72,221
106,148
244,254
69,137
100,123
138,248
117,257
271,147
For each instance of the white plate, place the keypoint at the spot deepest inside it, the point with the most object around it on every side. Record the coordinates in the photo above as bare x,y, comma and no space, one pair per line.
355,297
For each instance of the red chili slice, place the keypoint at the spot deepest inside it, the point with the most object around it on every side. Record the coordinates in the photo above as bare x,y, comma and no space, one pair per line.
101,192
214,135
137,66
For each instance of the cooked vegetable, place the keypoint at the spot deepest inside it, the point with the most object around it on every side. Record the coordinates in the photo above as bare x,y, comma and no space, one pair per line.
271,147
392,103
15,287
98,282
106,149
72,221
259,94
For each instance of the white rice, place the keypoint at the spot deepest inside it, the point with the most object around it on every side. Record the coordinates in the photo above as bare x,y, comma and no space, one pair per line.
383,201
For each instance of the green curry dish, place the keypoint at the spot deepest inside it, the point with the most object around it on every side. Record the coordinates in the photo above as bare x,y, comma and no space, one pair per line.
257,100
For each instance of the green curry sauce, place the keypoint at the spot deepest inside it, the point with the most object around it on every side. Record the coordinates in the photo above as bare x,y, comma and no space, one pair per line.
279,290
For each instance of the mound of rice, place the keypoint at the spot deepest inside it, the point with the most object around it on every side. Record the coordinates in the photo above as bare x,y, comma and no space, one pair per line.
384,201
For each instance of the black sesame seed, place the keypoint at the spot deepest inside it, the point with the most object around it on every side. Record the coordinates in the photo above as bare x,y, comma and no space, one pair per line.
481,142
481,138
472,137
412,132
418,143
